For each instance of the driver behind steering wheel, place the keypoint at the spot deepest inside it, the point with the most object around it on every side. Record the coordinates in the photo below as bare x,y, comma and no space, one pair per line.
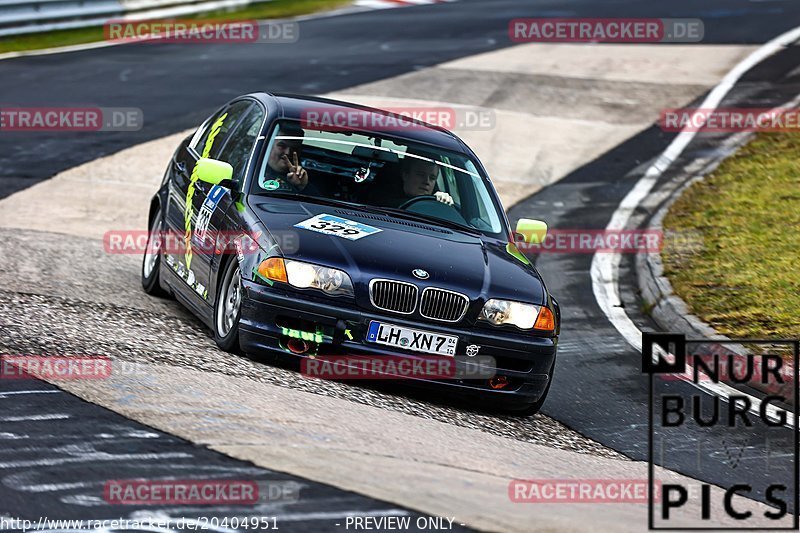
419,179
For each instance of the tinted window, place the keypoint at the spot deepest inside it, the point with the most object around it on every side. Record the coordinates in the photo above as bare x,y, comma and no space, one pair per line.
200,138
232,114
236,150
393,174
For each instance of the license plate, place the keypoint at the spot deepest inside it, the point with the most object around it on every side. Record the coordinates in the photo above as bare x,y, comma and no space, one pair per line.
411,339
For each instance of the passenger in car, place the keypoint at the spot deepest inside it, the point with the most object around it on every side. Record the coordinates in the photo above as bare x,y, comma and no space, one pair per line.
418,178
283,164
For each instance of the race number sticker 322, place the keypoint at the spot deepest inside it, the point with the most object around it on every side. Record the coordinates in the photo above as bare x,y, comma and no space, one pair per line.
340,227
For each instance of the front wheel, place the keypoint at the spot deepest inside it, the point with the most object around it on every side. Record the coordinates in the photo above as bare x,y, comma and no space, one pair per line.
228,308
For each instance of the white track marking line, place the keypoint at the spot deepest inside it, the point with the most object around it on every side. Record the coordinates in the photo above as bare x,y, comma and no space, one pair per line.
10,393
605,266
95,458
34,418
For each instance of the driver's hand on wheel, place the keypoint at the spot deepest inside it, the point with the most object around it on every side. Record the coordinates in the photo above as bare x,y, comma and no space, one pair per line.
444,198
297,175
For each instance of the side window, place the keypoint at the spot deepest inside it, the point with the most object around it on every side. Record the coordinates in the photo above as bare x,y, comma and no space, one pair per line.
232,114
236,150
200,137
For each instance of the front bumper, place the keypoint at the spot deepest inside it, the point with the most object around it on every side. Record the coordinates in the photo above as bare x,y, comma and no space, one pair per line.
526,361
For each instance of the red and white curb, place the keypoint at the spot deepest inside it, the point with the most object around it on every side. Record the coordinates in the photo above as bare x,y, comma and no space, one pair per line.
389,4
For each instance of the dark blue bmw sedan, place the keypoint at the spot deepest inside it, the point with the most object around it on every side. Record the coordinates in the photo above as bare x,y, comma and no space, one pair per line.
313,228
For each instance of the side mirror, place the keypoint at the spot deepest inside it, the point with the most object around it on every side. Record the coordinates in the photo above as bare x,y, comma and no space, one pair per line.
530,231
213,171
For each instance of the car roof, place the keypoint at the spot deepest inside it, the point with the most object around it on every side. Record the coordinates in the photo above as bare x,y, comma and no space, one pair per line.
294,107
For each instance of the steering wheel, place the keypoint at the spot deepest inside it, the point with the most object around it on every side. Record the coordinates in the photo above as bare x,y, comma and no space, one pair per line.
416,199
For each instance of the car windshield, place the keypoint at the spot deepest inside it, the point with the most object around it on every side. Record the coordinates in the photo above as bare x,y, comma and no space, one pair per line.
395,176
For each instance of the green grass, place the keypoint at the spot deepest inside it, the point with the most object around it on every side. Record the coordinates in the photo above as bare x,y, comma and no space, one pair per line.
744,280
266,10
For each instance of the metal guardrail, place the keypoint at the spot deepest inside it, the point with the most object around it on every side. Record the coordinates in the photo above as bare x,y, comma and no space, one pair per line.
18,17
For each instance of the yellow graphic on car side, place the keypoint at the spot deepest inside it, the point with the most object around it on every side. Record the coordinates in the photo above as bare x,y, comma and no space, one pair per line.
187,209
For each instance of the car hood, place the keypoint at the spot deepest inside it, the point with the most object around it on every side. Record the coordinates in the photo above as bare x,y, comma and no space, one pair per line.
479,267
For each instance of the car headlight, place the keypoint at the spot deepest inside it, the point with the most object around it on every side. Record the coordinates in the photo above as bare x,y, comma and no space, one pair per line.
524,316
499,312
328,280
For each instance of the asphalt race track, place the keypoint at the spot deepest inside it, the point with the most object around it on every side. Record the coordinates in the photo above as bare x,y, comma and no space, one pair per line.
598,402
121,449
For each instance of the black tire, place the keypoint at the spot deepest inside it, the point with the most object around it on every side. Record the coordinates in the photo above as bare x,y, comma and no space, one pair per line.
534,408
151,260
226,324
